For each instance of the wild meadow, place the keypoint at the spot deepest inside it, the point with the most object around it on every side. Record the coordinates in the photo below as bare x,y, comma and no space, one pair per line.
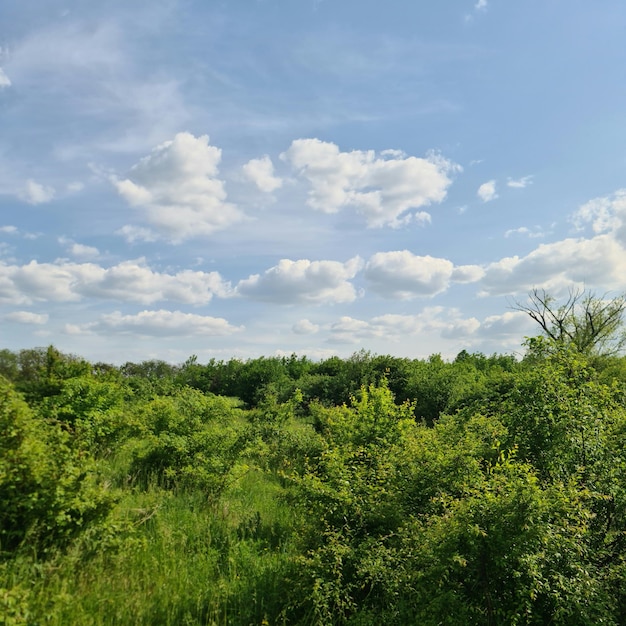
367,490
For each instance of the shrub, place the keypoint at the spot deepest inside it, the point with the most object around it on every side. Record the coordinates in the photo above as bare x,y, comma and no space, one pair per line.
49,492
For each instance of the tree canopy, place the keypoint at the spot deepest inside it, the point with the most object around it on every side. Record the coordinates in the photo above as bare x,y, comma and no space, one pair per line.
591,324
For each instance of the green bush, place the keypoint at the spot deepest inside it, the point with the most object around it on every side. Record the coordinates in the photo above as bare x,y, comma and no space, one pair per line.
49,492
189,440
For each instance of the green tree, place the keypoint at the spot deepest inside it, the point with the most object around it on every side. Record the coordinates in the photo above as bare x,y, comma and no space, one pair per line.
591,324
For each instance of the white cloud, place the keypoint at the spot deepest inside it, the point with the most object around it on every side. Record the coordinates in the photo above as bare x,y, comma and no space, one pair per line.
133,234
304,281
34,193
524,230
599,260
481,5
396,154
261,173
26,317
467,273
4,79
519,183
79,250
305,327
177,188
606,214
447,323
75,187
157,324
513,324
130,281
487,191
555,266
9,230
381,189
404,275
437,325
84,252
350,330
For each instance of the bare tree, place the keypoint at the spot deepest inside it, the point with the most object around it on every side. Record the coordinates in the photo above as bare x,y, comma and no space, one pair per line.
593,325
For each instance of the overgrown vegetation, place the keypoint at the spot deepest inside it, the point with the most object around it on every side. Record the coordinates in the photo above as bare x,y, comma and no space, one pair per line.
485,490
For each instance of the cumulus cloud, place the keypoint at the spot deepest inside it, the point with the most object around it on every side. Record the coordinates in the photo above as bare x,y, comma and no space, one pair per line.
447,323
599,260
467,273
261,173
519,183
34,193
497,332
606,214
555,266
305,327
26,317
159,323
303,281
130,281
404,275
9,230
487,191
381,188
4,79
177,188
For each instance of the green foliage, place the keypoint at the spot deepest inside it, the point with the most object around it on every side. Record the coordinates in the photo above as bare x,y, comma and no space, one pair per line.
42,371
361,491
49,493
557,413
150,378
351,503
91,409
188,440
510,551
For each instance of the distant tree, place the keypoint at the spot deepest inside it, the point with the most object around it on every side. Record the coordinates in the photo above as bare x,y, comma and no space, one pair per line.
591,324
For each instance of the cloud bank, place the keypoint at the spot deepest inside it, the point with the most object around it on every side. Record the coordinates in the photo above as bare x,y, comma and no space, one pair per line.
159,323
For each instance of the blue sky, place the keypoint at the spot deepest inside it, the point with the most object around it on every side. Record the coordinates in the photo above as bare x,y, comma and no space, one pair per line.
264,177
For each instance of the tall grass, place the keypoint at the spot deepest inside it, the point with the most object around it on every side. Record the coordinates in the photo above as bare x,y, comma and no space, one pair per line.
181,561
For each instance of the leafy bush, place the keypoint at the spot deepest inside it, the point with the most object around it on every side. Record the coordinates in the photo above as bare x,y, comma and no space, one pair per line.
92,410
188,440
49,492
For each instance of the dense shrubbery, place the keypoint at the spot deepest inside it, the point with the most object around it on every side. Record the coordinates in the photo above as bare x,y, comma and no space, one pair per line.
49,492
369,490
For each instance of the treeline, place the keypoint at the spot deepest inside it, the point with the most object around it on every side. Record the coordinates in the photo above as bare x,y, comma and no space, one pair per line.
368,490
435,385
